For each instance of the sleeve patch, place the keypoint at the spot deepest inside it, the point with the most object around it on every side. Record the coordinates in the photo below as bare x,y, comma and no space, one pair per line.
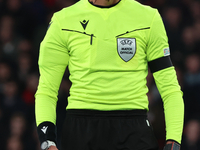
166,51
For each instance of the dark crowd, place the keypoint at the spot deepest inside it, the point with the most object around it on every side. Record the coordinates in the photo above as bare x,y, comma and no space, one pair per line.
23,24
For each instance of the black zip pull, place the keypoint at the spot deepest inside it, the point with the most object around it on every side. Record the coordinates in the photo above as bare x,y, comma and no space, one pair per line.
91,38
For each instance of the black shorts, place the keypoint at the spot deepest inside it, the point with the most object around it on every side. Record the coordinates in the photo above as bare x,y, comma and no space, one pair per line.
107,130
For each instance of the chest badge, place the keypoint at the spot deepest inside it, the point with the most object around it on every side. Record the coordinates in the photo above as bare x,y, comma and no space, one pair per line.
126,48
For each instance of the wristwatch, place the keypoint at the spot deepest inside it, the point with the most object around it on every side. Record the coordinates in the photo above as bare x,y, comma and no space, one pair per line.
46,144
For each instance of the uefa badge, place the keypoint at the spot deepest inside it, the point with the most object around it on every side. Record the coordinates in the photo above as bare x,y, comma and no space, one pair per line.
126,48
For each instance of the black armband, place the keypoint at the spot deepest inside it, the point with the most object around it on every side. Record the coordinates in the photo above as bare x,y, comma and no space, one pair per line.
46,131
172,146
159,64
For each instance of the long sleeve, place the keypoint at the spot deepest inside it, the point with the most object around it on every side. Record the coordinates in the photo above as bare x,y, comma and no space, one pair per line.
171,94
158,56
53,59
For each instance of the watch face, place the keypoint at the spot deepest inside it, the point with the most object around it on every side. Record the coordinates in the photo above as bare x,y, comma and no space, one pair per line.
44,145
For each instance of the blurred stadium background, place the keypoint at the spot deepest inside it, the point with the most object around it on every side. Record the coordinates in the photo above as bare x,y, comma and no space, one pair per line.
23,24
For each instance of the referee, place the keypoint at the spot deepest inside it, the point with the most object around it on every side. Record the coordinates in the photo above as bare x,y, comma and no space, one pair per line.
108,46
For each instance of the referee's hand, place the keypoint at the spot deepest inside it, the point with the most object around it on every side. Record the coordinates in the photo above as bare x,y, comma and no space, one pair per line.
52,148
171,145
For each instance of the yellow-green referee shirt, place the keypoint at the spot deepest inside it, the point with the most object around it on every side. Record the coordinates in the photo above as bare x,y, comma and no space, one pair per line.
108,51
